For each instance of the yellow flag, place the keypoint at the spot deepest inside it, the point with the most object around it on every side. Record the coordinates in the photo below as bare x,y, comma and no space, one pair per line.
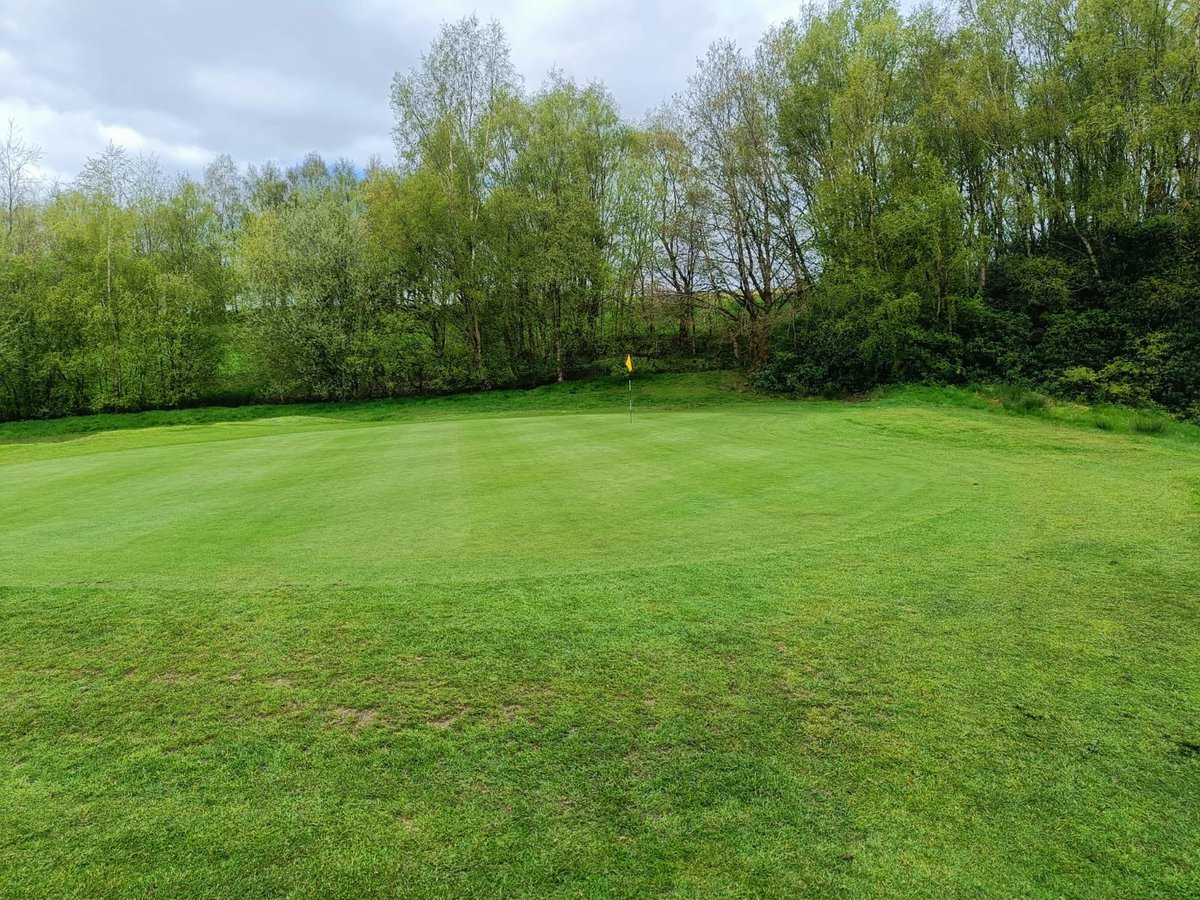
628,362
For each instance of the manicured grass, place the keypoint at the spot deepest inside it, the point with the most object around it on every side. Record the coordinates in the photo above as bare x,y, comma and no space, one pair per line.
514,645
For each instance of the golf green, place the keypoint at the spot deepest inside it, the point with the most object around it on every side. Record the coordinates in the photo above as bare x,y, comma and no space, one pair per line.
521,646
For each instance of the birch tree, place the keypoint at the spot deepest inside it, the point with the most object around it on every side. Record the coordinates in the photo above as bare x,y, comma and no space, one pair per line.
18,184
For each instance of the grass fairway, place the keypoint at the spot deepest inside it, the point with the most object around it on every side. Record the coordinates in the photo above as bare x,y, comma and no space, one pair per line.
513,645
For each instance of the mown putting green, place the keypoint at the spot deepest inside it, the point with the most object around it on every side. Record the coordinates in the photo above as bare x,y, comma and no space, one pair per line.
519,646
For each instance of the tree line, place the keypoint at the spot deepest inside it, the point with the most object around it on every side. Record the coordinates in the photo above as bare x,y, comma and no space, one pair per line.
1003,190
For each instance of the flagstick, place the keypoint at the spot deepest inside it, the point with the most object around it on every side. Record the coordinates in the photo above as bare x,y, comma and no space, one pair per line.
630,380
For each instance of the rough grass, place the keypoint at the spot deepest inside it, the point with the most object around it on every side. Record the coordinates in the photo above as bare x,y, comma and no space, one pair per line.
1016,400
513,645
572,396
1150,424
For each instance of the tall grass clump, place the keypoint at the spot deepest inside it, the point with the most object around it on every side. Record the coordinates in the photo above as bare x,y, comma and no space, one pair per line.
1149,423
1021,399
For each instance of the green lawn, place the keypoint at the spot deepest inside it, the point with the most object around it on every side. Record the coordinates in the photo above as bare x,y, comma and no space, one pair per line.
514,645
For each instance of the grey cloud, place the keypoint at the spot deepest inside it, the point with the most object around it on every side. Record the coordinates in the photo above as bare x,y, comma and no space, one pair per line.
259,80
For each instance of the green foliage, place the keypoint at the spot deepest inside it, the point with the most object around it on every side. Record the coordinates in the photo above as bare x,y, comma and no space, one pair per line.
999,197
825,356
1009,194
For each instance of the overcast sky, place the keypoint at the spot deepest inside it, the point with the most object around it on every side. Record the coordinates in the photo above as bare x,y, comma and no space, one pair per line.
187,79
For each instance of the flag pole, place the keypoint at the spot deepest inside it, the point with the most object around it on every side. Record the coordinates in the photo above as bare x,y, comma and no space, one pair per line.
629,379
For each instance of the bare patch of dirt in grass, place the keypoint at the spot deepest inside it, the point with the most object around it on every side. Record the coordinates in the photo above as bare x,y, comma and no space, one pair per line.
355,719
442,723
176,679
